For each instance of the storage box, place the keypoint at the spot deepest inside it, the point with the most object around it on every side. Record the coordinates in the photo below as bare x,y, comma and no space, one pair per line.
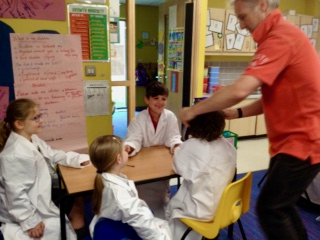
231,137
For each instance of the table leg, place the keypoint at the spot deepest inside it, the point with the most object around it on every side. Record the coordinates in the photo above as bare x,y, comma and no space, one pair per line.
63,201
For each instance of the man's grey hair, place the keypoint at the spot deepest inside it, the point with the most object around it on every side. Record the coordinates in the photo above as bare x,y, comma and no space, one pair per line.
272,4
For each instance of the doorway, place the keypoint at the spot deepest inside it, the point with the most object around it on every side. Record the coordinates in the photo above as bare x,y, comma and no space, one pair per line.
118,73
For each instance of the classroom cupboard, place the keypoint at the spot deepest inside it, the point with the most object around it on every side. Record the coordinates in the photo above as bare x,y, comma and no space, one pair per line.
249,126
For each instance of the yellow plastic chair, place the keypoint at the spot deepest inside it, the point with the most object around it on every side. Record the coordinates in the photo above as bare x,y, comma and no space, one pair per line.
235,200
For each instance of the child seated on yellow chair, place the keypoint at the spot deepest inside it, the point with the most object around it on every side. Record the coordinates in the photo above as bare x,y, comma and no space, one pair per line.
206,162
115,197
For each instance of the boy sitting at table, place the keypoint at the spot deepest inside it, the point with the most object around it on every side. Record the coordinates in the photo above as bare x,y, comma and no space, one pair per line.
154,126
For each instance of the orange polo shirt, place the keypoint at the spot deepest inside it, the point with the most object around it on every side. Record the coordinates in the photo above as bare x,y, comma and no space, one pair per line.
289,68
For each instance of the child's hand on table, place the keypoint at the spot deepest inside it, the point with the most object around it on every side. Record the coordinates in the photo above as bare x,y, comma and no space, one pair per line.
85,163
175,147
128,149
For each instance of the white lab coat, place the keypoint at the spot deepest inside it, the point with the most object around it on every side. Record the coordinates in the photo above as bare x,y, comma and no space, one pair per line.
141,133
120,202
25,187
313,190
206,168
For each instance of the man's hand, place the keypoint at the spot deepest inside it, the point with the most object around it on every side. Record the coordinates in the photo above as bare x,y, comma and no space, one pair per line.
186,114
37,231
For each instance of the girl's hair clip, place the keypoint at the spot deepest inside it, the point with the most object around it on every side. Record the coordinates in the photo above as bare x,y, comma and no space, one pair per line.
116,139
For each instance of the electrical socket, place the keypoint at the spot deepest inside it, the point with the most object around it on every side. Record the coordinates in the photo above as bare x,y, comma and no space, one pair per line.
90,70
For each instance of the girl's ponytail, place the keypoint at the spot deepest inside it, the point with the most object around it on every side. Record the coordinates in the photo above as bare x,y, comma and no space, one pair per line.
97,194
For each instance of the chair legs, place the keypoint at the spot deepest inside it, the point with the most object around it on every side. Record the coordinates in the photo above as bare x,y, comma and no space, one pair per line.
242,230
230,230
189,230
262,179
186,233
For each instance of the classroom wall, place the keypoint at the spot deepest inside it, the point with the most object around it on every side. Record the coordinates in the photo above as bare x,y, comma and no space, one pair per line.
231,66
301,6
147,52
308,7
174,101
95,125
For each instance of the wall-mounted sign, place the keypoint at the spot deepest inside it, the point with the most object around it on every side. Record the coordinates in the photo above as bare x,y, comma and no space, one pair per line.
175,49
91,23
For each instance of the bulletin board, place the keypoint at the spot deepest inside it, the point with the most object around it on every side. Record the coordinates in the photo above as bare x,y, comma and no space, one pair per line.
47,69
235,38
91,22
215,29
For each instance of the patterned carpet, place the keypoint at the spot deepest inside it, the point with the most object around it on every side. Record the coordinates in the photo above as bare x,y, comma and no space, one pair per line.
249,220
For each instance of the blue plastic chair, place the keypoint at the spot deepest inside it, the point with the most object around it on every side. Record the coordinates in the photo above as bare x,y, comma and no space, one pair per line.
107,229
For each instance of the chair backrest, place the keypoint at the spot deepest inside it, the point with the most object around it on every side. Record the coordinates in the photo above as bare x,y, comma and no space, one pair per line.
107,229
235,200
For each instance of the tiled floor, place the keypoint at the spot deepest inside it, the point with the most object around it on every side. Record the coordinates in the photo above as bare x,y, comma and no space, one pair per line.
252,155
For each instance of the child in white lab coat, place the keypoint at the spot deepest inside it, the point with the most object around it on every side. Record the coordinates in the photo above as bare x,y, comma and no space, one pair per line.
115,197
26,164
154,126
206,162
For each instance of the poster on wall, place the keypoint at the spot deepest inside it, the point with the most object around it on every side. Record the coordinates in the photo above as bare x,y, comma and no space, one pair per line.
47,69
92,24
175,49
114,12
4,101
114,30
96,97
174,81
40,9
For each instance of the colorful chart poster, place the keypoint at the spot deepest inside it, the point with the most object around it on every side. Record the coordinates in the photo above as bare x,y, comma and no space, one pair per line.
175,49
91,23
40,9
47,69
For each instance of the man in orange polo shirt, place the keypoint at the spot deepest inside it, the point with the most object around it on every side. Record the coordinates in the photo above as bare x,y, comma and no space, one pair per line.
287,68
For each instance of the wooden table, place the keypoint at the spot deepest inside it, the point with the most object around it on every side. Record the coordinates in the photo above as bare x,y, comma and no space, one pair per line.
149,165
